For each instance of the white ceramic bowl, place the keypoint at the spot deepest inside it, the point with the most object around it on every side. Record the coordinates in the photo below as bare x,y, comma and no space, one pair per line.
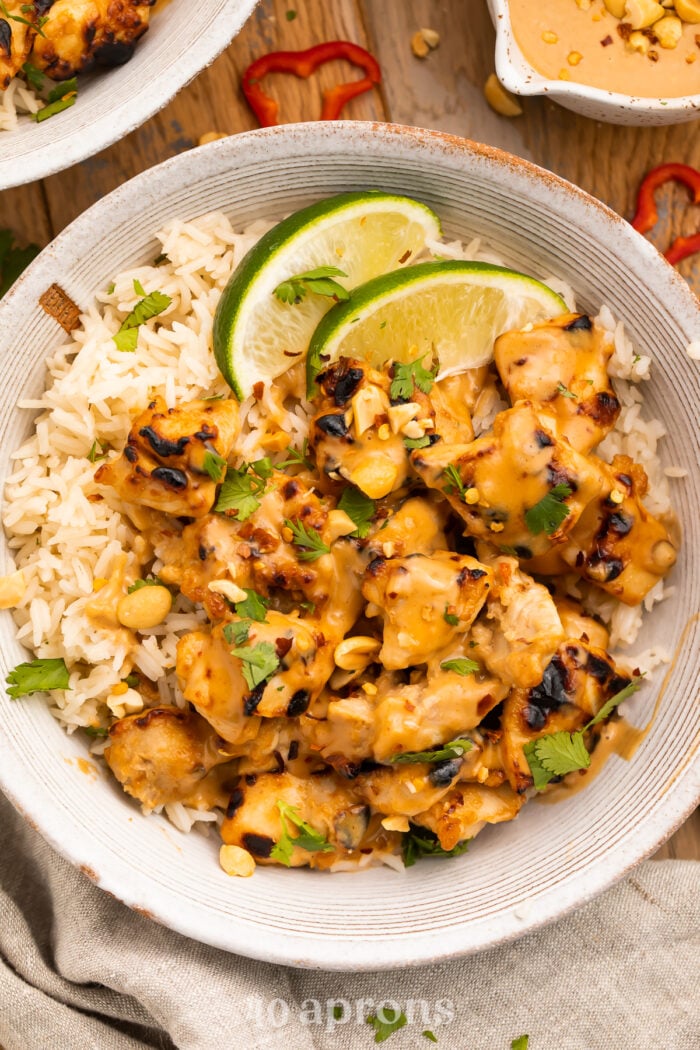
516,876
516,73
183,38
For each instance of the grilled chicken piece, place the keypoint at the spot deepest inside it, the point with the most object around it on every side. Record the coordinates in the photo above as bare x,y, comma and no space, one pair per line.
163,755
577,682
418,596
468,808
617,544
407,789
292,658
163,463
521,630
577,624
80,34
326,803
563,363
16,38
415,526
357,433
503,475
402,717
454,399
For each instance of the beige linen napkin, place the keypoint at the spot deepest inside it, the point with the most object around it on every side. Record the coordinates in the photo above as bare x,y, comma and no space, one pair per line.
80,971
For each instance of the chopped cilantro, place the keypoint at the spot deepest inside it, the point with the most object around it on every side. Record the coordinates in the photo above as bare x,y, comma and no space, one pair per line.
420,442
97,451
37,24
110,289
132,680
138,287
13,260
521,1043
310,544
565,392
360,508
238,495
307,839
455,749
297,458
262,467
214,465
96,731
461,665
309,607
160,259
338,1012
37,676
319,281
556,754
449,617
290,15
550,512
418,842
385,1022
427,1034
237,633
454,481
259,662
383,324
150,581
253,607
150,306
409,374
34,76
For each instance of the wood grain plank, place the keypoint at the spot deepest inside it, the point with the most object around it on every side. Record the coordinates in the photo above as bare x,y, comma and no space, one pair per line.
214,101
445,91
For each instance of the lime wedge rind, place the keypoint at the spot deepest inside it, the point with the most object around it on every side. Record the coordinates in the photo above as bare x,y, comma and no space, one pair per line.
453,308
255,336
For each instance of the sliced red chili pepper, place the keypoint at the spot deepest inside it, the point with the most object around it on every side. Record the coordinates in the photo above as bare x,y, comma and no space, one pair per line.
303,64
647,215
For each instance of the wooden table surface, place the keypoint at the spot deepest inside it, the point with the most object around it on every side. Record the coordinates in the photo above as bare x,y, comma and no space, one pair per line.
443,91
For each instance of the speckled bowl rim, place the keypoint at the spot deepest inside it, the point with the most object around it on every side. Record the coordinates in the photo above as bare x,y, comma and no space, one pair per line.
127,114
538,84
74,840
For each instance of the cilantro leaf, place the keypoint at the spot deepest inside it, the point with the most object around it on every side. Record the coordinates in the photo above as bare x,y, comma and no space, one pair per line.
132,680
262,467
259,662
237,633
34,76
214,465
610,705
550,512
461,665
253,607
150,581
309,839
385,1022
150,306
360,508
449,617
565,392
13,260
308,540
419,842
319,281
37,676
420,442
239,493
297,458
555,755
454,481
406,375
521,1043
455,749
427,1034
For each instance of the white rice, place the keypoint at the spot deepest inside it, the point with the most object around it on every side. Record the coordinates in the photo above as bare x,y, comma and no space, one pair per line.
64,540
17,99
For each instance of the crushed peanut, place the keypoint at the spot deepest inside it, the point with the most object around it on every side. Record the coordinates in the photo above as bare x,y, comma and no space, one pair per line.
211,136
236,861
395,823
229,589
369,688
500,100
12,588
384,432
616,496
471,496
287,534
423,41
549,37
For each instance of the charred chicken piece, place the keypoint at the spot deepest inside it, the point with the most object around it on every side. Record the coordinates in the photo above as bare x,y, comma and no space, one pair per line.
16,39
163,755
164,463
425,602
497,483
577,682
80,34
466,810
357,434
563,363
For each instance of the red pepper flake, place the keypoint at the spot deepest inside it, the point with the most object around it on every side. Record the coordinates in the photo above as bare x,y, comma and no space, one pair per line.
606,41
646,215
303,64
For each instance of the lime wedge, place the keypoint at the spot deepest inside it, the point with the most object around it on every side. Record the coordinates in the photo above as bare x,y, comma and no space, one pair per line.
257,336
453,310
